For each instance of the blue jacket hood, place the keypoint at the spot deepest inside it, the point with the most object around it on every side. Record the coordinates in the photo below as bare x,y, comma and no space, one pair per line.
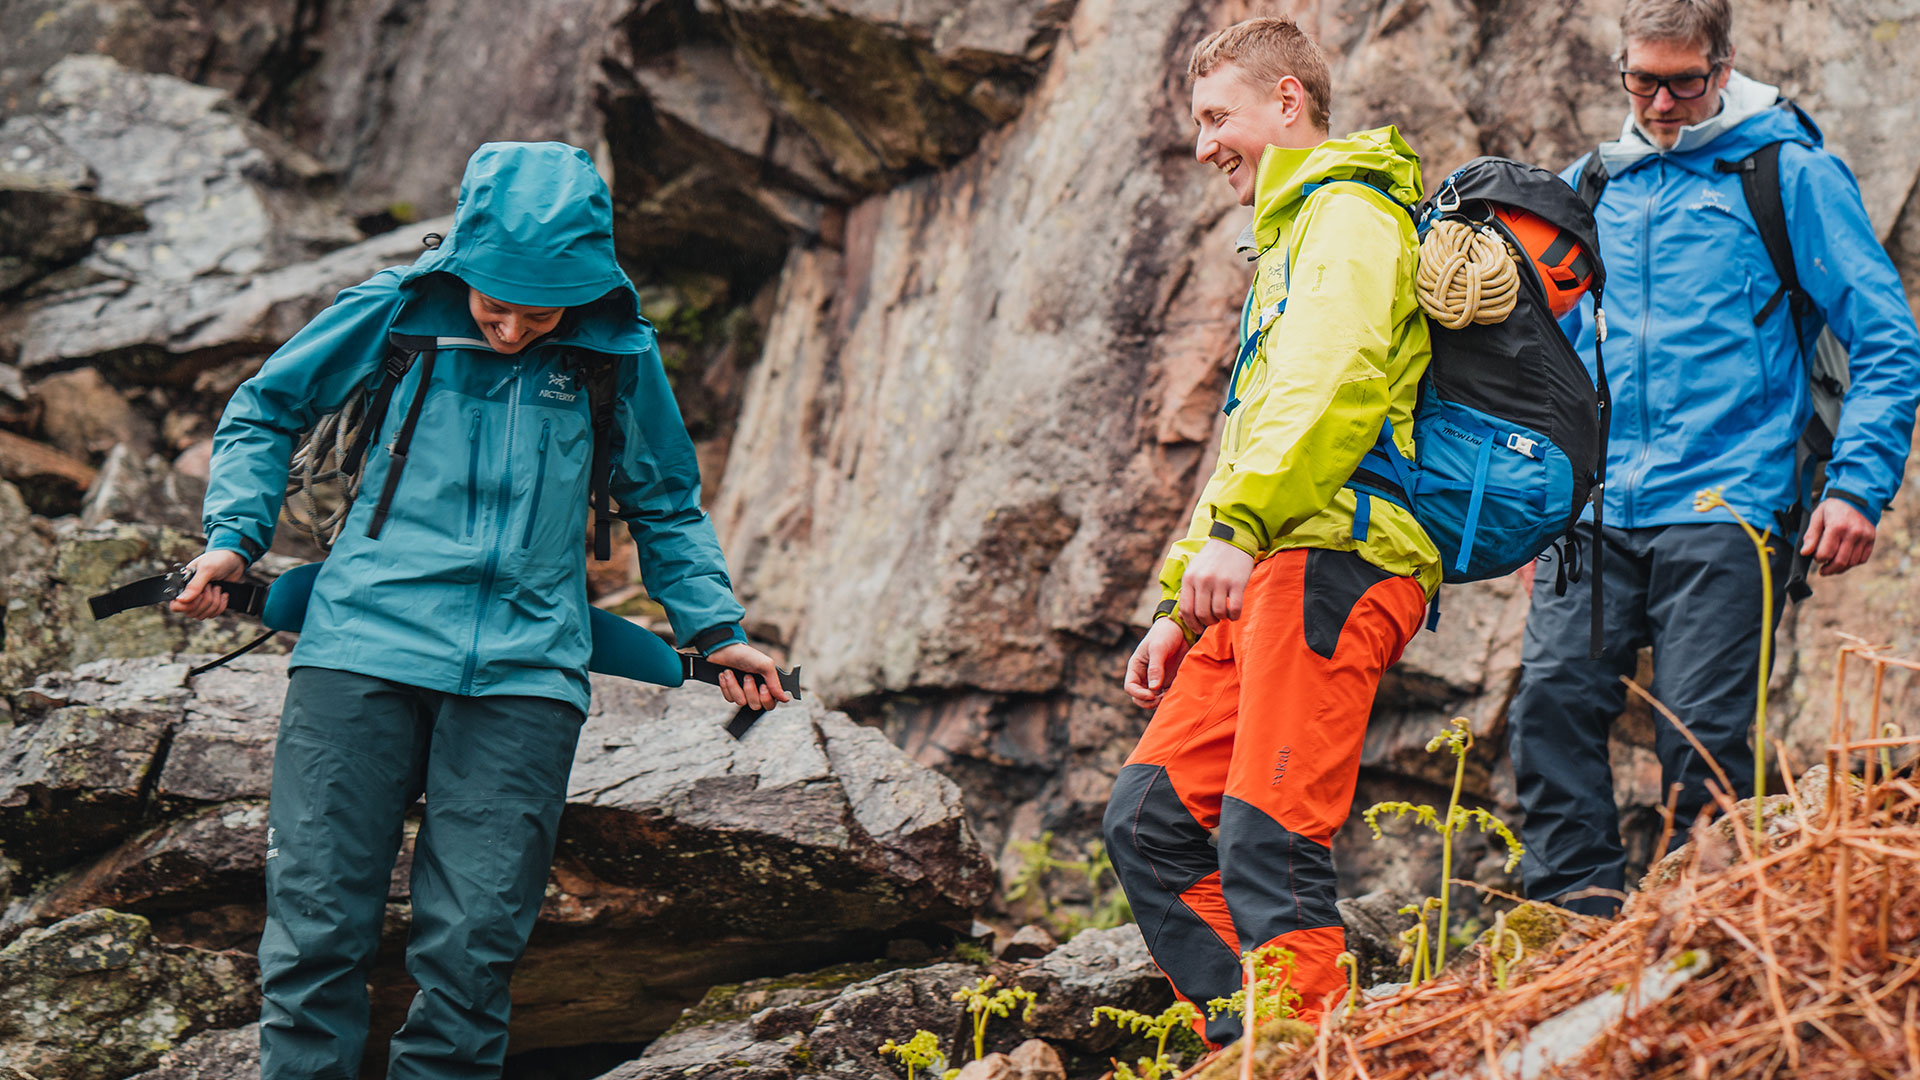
534,226
1747,120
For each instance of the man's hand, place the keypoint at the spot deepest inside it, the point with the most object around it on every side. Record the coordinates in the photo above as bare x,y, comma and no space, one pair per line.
196,600
1214,584
1525,575
1839,537
1154,661
762,692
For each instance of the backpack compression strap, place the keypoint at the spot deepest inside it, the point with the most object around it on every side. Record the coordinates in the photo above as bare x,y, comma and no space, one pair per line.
402,442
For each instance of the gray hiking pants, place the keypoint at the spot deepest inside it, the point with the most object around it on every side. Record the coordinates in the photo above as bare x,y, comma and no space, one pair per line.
1693,593
354,752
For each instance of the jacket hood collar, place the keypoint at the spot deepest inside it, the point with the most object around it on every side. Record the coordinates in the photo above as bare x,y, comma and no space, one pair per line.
1747,120
1379,157
534,226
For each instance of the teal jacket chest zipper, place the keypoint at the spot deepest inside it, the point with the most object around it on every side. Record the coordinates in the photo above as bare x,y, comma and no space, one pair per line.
473,470
503,505
539,485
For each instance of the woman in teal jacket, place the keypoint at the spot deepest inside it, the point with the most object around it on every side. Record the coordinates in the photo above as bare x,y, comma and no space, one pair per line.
445,647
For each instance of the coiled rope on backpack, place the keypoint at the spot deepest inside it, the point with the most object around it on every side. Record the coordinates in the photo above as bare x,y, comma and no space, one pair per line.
1467,275
316,464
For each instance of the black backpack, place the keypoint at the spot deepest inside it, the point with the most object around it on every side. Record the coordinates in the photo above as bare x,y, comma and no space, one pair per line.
1827,372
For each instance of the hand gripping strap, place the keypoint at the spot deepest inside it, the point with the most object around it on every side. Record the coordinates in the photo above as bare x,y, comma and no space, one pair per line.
700,669
243,597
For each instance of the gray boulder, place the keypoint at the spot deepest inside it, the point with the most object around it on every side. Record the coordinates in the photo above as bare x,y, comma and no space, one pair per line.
687,858
96,997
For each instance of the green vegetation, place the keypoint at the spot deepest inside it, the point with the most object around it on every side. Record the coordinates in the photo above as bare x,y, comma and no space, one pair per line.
983,1002
920,1052
1269,966
1179,1017
1456,740
1108,905
1714,499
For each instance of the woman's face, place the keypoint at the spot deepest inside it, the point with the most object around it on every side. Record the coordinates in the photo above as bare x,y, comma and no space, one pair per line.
509,327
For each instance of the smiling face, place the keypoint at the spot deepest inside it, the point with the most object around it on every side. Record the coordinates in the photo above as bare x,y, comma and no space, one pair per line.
510,327
1663,115
1239,117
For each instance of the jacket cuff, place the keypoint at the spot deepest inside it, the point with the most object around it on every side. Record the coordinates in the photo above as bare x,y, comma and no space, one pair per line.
226,538
1858,502
1170,609
1235,533
714,638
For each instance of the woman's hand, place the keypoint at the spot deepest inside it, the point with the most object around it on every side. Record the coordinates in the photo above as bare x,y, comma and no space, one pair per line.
196,600
762,692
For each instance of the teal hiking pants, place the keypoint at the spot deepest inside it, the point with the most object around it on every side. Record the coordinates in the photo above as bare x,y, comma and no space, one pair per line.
354,752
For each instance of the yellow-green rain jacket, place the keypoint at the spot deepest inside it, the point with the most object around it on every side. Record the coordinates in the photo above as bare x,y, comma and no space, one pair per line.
1347,353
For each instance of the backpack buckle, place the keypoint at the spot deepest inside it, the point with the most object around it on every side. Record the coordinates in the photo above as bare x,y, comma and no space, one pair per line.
1521,444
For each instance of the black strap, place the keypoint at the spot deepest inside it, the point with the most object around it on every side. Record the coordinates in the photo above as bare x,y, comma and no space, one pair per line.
401,349
1593,179
1759,174
600,409
701,669
402,443
243,597
1374,484
232,656
1604,403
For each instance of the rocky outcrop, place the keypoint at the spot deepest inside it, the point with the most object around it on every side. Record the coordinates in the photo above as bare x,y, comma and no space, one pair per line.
97,998
687,857
46,225
780,1030
980,418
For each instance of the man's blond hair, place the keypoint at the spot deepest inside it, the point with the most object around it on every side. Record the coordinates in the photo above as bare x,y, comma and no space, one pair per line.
1267,50
1707,24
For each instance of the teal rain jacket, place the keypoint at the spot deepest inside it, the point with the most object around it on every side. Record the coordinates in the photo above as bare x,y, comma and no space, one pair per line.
477,585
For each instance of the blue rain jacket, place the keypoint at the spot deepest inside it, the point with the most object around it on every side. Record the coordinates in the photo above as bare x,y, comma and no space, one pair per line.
1702,397
477,584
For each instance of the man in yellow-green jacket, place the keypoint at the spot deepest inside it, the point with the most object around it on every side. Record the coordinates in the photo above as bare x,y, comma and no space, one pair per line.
1277,623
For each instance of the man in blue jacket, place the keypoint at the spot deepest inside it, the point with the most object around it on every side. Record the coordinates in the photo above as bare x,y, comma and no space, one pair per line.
445,648
1708,363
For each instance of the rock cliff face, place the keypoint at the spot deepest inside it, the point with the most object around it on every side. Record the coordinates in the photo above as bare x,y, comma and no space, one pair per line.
945,297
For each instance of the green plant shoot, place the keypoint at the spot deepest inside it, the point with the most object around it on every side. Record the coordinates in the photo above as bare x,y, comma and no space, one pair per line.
1273,967
1178,1016
1350,964
1108,907
1715,499
920,1052
1456,740
1497,949
1414,939
983,1002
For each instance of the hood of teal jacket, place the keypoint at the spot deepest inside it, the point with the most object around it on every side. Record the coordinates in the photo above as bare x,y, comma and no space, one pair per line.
535,227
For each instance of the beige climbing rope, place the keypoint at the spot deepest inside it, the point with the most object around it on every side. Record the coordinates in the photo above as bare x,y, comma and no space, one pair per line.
315,467
1467,275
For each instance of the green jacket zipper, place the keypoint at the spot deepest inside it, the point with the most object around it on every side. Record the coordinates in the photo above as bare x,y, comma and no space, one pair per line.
473,471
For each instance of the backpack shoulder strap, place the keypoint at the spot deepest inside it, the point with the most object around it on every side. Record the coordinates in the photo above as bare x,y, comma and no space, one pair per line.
1593,179
1760,182
597,376
410,346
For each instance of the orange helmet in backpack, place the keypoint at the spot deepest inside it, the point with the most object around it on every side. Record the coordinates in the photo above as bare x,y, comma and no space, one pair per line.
1564,266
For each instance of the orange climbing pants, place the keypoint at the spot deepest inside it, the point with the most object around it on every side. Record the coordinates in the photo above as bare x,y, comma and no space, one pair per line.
1220,822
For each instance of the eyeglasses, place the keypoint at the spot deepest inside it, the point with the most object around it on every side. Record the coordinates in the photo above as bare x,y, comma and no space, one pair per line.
1683,87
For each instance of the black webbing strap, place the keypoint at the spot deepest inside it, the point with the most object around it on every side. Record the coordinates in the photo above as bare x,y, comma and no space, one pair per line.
1603,402
402,442
600,407
243,597
401,350
1759,174
700,669
1374,484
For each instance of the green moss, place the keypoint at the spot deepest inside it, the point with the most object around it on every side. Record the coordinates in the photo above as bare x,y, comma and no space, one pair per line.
737,1001
972,953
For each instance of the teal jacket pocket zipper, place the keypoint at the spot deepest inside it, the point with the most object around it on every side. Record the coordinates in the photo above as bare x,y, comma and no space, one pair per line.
539,485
